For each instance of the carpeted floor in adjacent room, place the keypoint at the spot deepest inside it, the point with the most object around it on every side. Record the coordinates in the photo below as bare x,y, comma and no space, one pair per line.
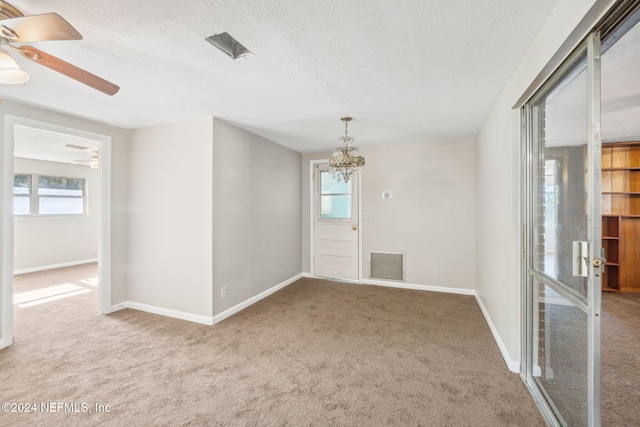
315,353
620,365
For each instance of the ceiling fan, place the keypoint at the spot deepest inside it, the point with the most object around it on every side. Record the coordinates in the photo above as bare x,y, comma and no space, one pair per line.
17,28
93,161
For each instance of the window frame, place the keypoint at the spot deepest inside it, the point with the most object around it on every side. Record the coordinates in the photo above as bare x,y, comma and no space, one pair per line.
35,196
319,195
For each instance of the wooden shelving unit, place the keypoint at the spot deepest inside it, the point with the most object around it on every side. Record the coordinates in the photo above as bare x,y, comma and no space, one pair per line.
621,216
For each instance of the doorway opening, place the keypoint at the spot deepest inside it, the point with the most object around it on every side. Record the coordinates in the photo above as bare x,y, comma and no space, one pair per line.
58,237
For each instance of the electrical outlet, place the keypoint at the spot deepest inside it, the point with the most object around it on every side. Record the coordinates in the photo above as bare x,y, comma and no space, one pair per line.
223,292
436,271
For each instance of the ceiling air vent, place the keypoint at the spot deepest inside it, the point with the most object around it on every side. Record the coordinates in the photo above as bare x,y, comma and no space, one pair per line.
387,265
229,46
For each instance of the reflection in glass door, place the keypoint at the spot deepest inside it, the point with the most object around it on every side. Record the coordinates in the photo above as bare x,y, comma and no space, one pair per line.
563,234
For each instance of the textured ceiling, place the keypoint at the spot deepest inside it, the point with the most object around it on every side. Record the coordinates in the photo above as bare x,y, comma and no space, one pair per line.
40,144
407,71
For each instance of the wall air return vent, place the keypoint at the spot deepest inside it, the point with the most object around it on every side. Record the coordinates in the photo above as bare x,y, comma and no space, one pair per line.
387,265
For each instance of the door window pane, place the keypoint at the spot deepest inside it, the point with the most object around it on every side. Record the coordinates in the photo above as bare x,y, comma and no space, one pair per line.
560,178
335,197
335,207
560,352
331,185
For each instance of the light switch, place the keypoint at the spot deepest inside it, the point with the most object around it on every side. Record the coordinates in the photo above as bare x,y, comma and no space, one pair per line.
386,194
365,215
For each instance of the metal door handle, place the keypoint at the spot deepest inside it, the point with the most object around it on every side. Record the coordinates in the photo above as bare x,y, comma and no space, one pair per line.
354,227
600,262
581,254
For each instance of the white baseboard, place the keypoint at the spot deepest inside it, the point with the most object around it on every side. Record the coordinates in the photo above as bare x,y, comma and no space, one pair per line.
205,320
3,343
197,318
513,365
402,285
118,307
51,267
537,372
236,308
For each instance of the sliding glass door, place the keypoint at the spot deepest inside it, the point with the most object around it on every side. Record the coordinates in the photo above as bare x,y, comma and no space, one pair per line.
563,233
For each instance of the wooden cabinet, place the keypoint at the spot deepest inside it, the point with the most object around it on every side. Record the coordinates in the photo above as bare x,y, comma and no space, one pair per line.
621,216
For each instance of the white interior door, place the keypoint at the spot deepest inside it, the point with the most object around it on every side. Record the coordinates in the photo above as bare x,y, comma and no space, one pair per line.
336,224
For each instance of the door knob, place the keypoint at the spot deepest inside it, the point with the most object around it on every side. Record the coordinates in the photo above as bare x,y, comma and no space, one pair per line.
354,227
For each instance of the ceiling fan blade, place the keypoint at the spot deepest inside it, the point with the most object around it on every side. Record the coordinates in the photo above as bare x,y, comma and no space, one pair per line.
49,26
69,70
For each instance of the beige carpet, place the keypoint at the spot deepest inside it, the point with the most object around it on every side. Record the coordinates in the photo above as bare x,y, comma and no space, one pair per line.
620,359
316,353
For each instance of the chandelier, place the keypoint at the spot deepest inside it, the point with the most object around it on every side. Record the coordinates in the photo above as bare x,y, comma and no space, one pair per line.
346,160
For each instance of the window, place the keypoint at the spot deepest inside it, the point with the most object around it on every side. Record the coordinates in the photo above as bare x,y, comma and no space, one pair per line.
60,196
22,194
40,195
335,197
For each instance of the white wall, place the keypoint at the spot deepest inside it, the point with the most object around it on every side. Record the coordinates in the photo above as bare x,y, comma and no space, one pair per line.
256,215
430,216
49,241
498,233
119,182
170,211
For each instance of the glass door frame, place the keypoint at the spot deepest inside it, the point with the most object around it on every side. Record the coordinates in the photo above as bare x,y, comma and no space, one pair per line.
591,46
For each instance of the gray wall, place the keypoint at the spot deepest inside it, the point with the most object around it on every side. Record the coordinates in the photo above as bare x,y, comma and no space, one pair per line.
256,214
